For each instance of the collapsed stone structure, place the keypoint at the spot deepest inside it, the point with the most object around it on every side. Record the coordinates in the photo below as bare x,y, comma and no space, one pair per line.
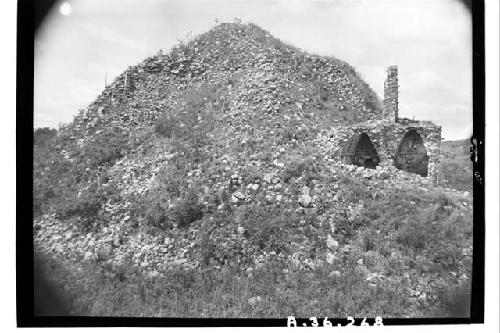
406,144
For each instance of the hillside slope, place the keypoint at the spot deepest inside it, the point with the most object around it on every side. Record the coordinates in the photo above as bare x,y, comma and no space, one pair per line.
203,161
456,165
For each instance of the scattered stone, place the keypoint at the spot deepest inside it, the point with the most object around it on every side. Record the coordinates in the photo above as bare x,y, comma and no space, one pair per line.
330,258
180,261
268,178
334,274
346,248
331,243
305,200
88,256
375,277
241,230
383,175
254,187
254,300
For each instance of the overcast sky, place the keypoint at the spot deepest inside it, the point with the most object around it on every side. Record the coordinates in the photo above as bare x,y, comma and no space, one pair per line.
429,40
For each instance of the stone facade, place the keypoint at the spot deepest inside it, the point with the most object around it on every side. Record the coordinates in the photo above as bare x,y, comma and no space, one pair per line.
409,145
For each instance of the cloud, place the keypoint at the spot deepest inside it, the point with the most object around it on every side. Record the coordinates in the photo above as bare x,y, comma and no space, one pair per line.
111,36
429,79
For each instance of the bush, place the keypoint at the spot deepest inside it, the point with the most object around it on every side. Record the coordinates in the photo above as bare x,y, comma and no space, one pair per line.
266,225
207,249
86,205
105,148
250,174
188,209
154,211
41,136
298,166
61,170
149,210
166,126
51,171
156,216
42,196
412,234
368,242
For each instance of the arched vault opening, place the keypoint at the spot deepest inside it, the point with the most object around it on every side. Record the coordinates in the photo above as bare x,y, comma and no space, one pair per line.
412,155
359,150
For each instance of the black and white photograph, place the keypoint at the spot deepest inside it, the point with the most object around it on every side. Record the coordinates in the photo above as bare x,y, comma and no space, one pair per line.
317,162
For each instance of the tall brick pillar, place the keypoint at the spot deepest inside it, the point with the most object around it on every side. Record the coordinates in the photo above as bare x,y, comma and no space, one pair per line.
391,86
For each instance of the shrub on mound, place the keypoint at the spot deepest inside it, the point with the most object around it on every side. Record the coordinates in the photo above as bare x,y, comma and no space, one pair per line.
166,126
266,226
86,204
152,209
105,148
300,166
188,209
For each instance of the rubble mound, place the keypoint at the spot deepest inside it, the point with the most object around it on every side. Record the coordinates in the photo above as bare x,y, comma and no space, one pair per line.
208,155
259,79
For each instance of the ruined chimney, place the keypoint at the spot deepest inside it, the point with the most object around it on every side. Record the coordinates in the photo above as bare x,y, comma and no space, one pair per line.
391,94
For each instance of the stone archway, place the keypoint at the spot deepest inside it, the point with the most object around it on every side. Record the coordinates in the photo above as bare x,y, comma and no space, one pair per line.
360,151
412,155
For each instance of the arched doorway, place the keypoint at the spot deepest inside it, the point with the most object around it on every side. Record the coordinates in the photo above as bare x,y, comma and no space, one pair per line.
412,155
360,151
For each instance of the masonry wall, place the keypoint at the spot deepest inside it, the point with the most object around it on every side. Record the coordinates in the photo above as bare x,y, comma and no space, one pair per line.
386,137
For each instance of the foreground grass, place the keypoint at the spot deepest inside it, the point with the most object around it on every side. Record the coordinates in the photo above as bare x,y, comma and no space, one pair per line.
228,293
269,292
